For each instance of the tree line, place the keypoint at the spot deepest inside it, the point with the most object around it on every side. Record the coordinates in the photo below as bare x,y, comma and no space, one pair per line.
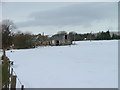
20,40
103,35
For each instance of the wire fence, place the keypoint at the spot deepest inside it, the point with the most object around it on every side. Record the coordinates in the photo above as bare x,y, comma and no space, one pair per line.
8,82
18,78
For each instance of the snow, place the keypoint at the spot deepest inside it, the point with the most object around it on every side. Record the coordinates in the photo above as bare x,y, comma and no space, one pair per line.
84,65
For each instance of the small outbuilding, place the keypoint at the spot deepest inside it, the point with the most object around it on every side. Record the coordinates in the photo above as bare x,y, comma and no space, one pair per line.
57,40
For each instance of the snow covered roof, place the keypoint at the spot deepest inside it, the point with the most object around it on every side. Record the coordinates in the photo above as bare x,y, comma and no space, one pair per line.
57,37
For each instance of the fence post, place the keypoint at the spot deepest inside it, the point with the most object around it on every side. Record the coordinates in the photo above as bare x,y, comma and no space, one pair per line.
13,82
8,73
11,78
5,73
22,88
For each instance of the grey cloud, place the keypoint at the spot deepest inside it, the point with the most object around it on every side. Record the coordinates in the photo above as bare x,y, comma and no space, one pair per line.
77,14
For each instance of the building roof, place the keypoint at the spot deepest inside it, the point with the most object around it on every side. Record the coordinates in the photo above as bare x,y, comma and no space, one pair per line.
57,37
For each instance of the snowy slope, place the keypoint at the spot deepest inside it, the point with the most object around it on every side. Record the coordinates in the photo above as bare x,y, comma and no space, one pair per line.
85,65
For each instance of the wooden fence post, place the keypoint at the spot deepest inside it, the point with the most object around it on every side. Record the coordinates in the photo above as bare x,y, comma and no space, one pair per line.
5,74
8,74
11,78
22,88
13,82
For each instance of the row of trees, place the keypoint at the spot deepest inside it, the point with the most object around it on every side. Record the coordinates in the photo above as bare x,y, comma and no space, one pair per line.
91,36
9,38
21,40
26,40
15,40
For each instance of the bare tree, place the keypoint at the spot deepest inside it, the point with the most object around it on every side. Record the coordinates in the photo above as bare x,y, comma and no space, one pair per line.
7,28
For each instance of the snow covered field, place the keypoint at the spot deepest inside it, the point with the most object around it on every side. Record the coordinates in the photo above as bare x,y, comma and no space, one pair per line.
85,65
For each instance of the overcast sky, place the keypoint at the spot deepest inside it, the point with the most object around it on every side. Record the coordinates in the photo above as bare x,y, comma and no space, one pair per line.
50,17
